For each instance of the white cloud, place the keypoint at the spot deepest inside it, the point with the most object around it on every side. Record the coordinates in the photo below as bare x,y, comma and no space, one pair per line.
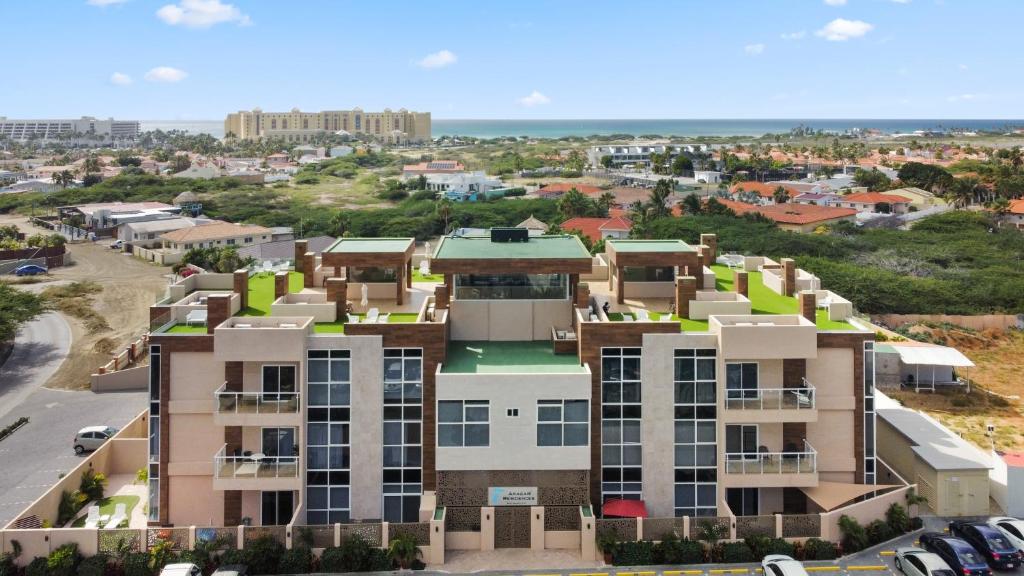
120,79
438,59
166,74
965,97
753,49
962,66
793,35
836,2
901,1
841,29
534,99
201,14
104,2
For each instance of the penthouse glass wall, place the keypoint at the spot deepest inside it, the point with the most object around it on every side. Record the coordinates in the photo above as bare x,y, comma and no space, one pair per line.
403,433
328,436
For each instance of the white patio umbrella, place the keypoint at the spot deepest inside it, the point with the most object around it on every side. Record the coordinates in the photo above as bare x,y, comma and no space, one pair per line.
365,292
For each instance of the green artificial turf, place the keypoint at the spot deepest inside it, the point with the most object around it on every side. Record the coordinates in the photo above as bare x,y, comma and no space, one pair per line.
107,506
261,292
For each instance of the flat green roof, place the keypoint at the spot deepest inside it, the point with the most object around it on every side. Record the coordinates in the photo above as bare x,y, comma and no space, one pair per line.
538,357
481,248
370,245
650,245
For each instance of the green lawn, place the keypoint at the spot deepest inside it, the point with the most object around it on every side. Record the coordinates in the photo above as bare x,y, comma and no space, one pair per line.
261,292
183,329
329,328
685,324
764,300
107,509
417,277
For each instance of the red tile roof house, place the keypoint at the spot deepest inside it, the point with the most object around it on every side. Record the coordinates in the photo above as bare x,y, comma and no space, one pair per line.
795,217
764,190
1014,216
871,201
598,228
557,189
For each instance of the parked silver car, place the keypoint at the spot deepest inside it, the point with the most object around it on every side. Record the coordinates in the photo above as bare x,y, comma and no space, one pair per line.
92,437
913,561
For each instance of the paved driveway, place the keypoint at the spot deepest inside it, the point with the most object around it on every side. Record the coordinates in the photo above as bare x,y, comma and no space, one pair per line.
39,349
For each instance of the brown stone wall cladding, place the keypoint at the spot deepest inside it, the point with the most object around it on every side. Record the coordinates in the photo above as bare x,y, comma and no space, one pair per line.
280,284
159,313
169,345
554,487
624,529
561,518
369,531
418,530
320,536
114,541
512,527
856,343
441,297
512,265
806,304
233,376
596,335
655,529
301,247
241,286
754,526
794,370
218,309
232,507
462,519
224,538
686,291
788,276
697,525
178,537
254,533
309,269
711,241
801,526
741,282
432,338
793,436
233,440
337,292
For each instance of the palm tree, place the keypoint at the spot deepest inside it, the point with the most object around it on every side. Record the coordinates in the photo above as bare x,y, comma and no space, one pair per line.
63,178
92,164
403,550
572,204
657,204
780,195
444,212
605,202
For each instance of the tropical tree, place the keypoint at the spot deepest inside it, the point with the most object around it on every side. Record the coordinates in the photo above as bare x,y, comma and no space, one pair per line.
657,204
780,195
403,550
604,202
444,212
91,165
691,204
574,203
63,178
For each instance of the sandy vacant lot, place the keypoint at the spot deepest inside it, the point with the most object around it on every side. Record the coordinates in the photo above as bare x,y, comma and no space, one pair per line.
129,285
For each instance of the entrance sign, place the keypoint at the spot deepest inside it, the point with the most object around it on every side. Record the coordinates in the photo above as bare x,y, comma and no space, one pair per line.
512,496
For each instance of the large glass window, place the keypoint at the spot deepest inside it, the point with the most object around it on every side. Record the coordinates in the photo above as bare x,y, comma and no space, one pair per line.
463,423
869,413
696,448
649,273
372,275
562,422
278,382
154,432
328,440
403,433
621,459
741,380
511,287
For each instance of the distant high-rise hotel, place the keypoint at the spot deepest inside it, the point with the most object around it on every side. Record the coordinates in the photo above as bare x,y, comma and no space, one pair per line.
84,130
396,127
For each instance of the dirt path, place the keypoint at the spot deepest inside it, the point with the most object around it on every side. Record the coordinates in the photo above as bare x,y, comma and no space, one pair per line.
129,285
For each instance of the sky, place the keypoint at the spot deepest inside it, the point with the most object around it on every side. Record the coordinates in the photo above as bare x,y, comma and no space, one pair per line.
521,59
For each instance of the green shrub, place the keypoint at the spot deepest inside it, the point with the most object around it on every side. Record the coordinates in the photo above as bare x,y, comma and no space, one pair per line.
232,556
855,538
879,531
897,519
7,565
136,564
62,561
736,552
762,546
296,561
672,550
306,178
633,554
93,565
354,555
92,485
37,567
263,555
70,504
818,549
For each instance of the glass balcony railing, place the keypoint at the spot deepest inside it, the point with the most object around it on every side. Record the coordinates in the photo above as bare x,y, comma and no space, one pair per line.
764,462
230,402
254,466
801,398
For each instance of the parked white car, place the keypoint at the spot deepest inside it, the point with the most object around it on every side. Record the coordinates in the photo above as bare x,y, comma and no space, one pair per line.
913,561
92,437
782,565
1012,528
181,570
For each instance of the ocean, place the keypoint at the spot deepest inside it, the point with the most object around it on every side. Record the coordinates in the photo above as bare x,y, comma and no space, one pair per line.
669,127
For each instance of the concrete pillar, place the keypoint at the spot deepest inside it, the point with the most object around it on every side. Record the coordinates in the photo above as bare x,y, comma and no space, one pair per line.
301,247
639,529
740,282
807,304
308,269
582,295
437,541
711,241
400,286
337,292
280,284
536,527
686,526
218,309
241,284
588,538
788,276
698,274
288,537
706,253
241,538
686,290
191,538
620,286
408,274
441,297
337,534
385,534
487,528
778,526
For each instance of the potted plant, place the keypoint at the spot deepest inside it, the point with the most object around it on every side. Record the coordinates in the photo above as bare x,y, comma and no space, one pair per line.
606,543
403,550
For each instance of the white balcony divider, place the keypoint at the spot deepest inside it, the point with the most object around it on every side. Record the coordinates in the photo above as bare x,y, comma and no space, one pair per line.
771,398
805,462
230,402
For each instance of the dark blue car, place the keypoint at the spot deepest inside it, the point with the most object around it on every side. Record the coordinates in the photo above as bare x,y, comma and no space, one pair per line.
992,544
961,556
30,270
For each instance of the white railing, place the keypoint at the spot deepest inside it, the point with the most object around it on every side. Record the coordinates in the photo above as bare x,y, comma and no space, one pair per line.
801,398
765,462
254,466
230,402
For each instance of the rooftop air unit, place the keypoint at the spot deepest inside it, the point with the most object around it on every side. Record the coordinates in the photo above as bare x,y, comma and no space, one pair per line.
510,235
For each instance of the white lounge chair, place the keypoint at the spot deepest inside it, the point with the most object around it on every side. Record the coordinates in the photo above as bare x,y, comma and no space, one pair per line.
383,318
666,317
93,518
268,266
196,317
120,515
371,315
643,316
424,268
626,317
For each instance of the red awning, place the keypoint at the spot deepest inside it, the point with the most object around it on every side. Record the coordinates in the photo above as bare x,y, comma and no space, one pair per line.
624,508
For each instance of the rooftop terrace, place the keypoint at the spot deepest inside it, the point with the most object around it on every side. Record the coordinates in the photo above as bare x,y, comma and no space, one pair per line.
475,357
668,246
764,300
369,245
538,247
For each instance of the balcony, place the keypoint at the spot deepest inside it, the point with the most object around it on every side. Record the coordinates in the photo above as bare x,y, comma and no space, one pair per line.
771,405
255,472
256,408
772,469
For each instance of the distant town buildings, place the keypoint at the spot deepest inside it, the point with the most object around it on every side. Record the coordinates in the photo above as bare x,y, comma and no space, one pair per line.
392,127
85,131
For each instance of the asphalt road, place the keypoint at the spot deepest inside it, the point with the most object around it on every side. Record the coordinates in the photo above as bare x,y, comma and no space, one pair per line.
33,458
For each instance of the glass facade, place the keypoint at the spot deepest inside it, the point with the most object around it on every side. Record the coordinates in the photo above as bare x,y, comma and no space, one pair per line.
372,275
649,273
696,446
511,286
621,451
328,436
154,432
869,413
403,433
